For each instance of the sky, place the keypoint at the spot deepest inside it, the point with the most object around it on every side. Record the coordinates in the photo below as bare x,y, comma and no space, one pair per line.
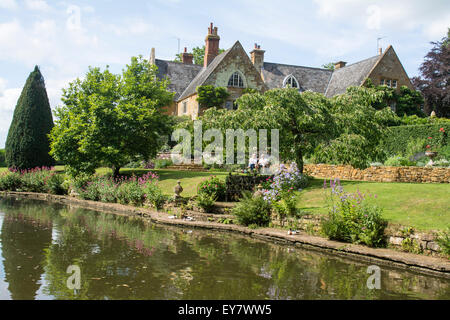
64,38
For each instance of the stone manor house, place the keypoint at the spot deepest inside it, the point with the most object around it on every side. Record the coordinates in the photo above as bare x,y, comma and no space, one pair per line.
236,71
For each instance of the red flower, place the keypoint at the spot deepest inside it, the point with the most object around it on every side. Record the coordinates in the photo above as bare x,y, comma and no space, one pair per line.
441,130
430,138
428,146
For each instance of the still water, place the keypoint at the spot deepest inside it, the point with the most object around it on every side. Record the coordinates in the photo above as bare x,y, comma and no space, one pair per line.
125,258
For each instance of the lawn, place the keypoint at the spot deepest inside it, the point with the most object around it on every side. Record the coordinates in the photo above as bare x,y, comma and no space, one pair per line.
423,206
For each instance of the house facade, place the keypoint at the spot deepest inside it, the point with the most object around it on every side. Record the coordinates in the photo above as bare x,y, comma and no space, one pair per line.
237,71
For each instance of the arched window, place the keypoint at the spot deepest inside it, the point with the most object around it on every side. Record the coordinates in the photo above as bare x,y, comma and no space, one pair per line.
236,80
290,82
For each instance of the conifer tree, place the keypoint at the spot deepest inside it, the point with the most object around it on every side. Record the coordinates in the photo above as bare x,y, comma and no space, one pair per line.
27,144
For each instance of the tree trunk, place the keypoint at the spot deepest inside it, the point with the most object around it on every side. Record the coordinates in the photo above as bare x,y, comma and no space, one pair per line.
116,171
299,160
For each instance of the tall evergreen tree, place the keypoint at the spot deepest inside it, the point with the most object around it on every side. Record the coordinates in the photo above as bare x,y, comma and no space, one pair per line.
27,145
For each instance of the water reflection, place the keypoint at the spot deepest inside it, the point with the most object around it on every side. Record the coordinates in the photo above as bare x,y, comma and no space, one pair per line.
124,258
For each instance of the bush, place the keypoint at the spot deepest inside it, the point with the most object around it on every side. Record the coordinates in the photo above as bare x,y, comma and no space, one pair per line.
285,181
154,195
131,192
55,184
286,207
90,190
205,201
252,211
351,218
414,147
443,241
398,161
107,189
35,180
162,163
10,181
212,187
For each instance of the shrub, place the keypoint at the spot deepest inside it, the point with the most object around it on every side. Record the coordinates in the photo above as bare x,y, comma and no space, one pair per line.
285,181
252,211
286,207
154,195
107,189
162,163
55,184
10,181
34,180
443,240
213,187
205,201
130,192
90,190
414,147
398,161
351,218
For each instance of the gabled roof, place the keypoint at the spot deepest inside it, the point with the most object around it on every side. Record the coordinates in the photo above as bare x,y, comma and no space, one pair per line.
203,75
351,75
179,74
314,79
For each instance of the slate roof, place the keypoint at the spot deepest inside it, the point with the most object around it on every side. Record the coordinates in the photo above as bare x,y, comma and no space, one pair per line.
179,74
314,79
203,75
351,75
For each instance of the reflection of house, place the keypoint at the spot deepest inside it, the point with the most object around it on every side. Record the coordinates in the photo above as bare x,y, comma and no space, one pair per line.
236,71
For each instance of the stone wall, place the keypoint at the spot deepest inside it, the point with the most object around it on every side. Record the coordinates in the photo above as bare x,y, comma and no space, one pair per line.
380,174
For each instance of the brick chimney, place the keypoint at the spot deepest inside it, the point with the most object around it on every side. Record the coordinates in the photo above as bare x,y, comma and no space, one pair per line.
212,45
186,57
257,56
152,56
339,65
380,51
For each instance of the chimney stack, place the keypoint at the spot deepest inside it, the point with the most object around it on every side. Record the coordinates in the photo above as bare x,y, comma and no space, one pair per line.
257,56
152,57
339,64
186,57
380,51
212,45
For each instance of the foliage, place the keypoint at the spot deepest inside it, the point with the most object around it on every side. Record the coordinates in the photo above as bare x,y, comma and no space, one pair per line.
398,161
2,158
252,211
110,119
210,96
131,192
443,240
162,163
352,218
435,78
414,147
285,181
213,187
285,207
329,66
415,120
27,144
198,53
10,181
206,201
397,138
154,195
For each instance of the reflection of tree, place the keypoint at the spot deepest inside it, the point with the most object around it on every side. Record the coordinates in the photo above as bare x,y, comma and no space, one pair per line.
125,258
24,238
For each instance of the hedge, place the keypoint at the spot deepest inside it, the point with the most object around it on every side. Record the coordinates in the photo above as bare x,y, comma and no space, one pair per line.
396,141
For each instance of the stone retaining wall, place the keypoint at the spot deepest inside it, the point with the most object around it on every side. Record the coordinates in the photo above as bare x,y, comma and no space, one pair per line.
380,174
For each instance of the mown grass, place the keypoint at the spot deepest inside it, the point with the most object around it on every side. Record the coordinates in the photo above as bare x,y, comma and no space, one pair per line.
423,206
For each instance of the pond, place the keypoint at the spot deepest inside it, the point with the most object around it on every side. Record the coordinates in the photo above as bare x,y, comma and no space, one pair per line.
126,258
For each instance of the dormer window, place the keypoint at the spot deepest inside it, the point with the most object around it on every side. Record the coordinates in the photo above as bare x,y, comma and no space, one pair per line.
290,82
236,80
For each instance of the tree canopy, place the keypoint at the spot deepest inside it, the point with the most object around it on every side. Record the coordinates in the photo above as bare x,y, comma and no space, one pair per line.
434,81
27,144
109,119
345,129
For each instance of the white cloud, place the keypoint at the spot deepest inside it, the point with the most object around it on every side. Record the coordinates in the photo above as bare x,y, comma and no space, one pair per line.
374,17
38,5
8,4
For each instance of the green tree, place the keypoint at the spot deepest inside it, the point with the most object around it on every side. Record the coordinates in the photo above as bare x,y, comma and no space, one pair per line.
329,66
108,119
198,53
27,144
211,96
2,158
